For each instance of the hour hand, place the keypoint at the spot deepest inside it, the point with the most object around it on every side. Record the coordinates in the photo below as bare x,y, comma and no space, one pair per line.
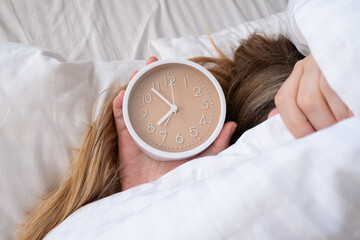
165,117
161,96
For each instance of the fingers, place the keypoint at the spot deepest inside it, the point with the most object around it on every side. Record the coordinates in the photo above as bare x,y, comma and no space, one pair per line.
117,108
133,74
285,101
126,145
222,141
149,61
310,98
338,108
306,102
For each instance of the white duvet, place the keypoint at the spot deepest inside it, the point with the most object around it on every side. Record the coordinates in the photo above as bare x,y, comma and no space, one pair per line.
267,185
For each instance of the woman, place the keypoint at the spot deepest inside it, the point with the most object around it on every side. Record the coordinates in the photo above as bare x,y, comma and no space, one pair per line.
263,69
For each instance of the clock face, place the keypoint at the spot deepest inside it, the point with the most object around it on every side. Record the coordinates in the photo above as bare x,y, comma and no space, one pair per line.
174,107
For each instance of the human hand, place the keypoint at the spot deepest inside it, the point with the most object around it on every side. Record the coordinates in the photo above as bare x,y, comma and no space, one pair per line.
136,167
306,102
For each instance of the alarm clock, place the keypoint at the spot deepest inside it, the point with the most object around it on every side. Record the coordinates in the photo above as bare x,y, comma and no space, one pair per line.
174,109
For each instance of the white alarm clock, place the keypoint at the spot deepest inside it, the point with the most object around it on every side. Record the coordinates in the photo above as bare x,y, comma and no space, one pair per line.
174,109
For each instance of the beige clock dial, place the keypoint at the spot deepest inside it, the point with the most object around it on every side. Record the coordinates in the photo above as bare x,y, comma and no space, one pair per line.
174,108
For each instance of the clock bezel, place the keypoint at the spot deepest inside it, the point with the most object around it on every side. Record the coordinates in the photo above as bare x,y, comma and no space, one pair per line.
172,156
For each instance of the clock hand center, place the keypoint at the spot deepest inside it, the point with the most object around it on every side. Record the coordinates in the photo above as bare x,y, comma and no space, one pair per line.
172,110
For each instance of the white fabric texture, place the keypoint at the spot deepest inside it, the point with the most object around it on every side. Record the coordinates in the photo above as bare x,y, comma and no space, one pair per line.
226,40
304,189
120,29
267,185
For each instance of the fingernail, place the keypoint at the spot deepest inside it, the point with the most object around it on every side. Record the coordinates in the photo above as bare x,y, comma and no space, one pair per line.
151,59
118,95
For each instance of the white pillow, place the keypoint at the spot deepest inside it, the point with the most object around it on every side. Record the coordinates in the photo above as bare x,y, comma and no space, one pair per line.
46,103
226,40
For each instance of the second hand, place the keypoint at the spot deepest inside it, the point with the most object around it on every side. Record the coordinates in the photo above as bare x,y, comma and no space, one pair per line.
172,95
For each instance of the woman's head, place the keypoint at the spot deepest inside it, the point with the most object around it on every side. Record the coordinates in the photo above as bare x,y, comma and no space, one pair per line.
251,80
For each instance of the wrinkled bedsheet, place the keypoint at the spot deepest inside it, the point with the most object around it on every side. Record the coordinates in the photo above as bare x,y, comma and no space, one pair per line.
120,29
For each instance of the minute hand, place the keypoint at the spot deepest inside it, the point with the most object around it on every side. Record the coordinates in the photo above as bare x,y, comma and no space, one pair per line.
162,97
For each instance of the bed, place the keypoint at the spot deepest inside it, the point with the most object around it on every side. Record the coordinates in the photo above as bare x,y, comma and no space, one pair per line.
81,54
83,31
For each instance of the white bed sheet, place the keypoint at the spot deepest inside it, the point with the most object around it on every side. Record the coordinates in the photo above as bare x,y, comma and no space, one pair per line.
120,29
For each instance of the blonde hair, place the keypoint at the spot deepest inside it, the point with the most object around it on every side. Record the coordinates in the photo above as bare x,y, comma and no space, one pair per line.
250,82
94,174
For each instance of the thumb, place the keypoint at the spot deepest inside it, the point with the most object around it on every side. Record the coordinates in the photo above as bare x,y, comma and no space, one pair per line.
117,109
222,141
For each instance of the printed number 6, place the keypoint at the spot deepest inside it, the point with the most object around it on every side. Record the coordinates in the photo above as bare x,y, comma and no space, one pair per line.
179,139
